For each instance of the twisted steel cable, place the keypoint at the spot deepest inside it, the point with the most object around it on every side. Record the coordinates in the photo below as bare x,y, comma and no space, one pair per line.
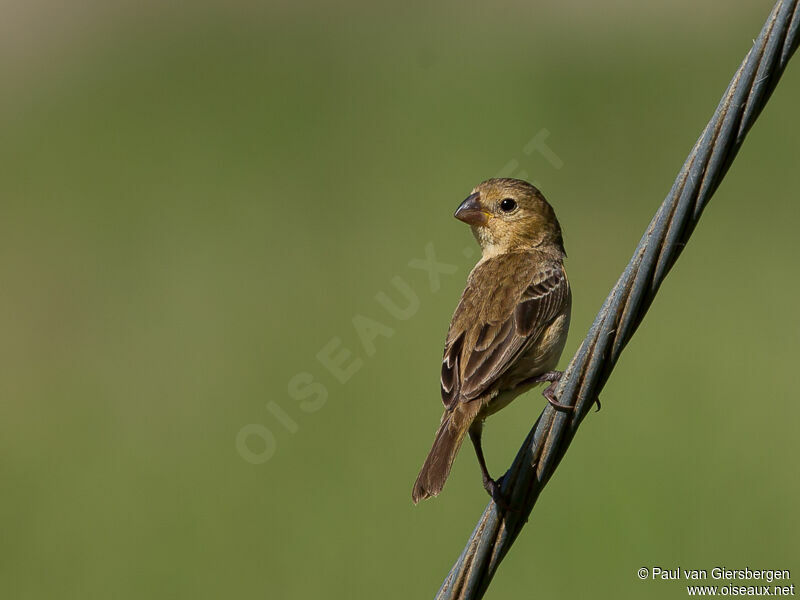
628,302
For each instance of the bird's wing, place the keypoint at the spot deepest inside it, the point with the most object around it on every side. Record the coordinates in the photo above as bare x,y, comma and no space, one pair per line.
505,308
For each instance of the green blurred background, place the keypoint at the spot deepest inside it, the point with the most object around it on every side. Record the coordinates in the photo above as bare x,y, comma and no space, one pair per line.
197,198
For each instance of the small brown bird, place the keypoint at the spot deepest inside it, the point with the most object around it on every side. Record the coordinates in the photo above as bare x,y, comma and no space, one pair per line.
510,326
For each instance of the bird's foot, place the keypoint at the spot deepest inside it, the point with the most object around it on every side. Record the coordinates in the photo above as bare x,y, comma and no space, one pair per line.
550,395
550,391
492,487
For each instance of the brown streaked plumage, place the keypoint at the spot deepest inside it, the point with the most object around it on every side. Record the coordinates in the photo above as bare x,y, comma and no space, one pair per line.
509,328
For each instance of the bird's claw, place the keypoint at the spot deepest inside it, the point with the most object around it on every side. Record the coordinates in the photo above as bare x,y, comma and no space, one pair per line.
549,395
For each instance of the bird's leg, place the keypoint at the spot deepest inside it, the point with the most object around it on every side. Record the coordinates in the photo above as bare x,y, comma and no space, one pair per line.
490,485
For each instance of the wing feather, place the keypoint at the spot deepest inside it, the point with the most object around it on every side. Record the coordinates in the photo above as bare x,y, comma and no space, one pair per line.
504,309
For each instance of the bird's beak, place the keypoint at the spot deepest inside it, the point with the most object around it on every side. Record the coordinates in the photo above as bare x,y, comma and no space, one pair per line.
471,212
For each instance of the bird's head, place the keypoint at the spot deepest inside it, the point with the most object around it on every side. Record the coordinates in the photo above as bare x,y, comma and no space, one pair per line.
510,214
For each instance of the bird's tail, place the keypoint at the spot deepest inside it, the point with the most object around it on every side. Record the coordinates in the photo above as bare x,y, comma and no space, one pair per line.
446,444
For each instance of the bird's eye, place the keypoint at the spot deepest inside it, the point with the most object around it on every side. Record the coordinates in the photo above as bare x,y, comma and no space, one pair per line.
508,204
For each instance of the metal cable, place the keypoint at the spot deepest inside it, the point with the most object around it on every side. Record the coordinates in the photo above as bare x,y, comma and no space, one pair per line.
628,302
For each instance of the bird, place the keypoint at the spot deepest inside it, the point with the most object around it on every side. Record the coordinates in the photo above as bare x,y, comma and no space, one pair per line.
510,326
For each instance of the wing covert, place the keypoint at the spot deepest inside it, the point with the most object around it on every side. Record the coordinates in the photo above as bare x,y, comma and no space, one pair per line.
495,322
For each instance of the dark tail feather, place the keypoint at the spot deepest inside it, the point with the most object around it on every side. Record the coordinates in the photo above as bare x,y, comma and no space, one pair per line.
436,468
